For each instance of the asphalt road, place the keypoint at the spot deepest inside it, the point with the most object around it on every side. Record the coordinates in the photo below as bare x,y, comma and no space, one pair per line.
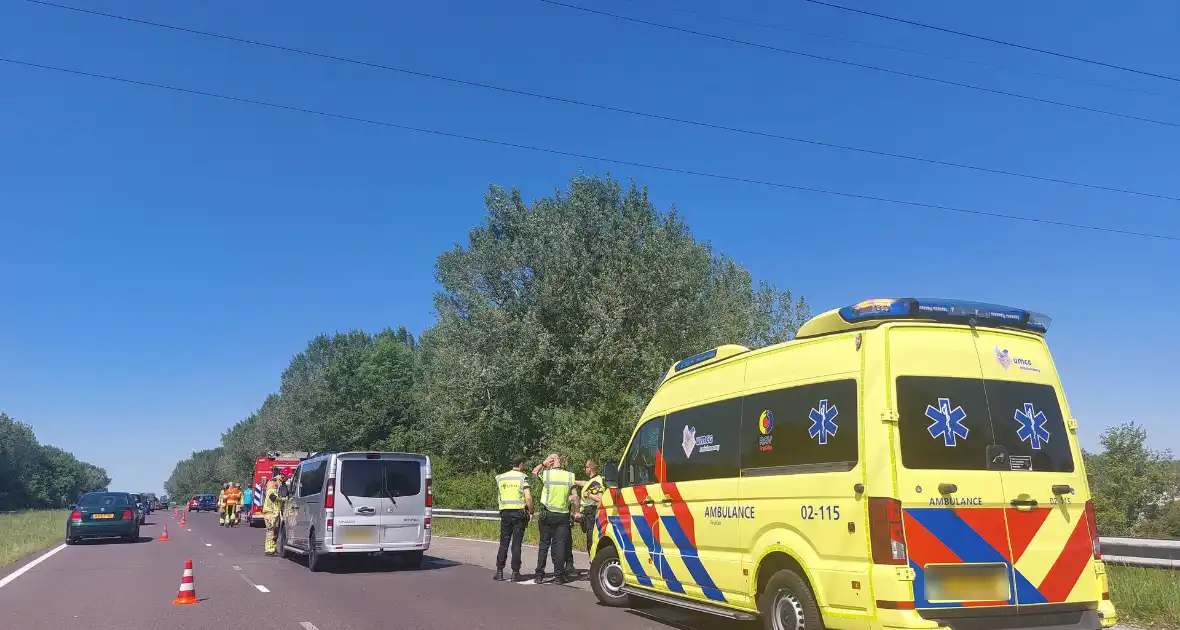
109,584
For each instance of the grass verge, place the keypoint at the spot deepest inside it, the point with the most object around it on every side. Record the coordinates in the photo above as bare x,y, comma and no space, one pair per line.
1145,596
490,530
28,532
1142,596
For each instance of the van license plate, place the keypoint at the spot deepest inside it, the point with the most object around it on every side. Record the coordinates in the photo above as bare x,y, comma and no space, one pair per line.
358,535
967,583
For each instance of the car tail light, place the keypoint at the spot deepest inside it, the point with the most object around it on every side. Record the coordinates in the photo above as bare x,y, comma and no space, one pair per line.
373,456
127,515
886,534
76,516
1092,525
330,495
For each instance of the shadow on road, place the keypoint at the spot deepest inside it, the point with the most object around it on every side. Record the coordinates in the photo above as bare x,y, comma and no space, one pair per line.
686,619
376,564
112,541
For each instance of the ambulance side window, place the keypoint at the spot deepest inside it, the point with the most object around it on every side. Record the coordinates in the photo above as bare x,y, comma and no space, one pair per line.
639,468
702,442
805,428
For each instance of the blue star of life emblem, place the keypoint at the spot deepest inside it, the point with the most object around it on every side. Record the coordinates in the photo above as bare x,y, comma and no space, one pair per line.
948,423
1032,426
823,422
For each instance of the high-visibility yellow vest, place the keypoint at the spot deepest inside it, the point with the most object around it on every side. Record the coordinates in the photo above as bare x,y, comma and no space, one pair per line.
587,491
511,486
555,496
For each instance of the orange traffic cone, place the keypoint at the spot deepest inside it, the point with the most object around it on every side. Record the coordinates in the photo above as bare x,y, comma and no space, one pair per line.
188,590
164,536
175,512
182,520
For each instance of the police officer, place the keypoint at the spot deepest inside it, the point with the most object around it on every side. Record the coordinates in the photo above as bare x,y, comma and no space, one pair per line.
516,506
591,498
271,507
555,517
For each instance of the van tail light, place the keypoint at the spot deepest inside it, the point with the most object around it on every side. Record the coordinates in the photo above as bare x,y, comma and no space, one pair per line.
886,534
76,516
1092,525
429,493
330,495
127,515
426,522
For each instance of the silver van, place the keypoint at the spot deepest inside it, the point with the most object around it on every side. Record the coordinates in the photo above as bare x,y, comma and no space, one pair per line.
358,503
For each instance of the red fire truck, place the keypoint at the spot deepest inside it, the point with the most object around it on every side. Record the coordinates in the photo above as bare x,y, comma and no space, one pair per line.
266,468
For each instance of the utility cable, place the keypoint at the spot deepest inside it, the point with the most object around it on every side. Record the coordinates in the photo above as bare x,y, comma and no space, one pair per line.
995,41
620,110
865,66
584,156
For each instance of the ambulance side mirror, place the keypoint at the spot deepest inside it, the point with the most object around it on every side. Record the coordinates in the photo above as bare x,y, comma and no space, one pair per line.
610,475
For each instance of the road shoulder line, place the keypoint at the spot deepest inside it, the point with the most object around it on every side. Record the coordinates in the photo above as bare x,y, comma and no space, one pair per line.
24,569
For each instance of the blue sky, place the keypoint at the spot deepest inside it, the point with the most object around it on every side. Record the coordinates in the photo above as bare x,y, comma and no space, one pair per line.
164,255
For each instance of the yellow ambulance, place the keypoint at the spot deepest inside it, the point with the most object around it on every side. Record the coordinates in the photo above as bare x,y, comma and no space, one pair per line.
902,463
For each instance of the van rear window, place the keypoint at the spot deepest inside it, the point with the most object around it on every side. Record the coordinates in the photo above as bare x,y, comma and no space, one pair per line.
977,424
403,478
373,478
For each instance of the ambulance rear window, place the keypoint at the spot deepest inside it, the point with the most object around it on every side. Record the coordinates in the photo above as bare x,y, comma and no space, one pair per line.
976,424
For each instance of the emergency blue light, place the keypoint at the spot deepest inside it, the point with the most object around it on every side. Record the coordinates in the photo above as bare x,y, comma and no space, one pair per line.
695,359
959,311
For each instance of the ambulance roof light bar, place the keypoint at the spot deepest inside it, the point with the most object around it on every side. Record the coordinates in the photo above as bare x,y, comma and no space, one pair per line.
945,310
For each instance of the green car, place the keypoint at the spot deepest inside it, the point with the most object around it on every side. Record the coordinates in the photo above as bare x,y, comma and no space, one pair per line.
103,515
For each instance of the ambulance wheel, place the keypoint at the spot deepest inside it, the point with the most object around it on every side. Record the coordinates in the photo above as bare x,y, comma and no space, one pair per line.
788,604
606,578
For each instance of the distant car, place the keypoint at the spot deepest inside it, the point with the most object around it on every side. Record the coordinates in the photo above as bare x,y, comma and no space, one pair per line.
203,503
141,511
103,515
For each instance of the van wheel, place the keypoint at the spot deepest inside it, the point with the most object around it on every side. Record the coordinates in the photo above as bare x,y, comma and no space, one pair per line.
412,559
315,562
606,578
281,543
788,604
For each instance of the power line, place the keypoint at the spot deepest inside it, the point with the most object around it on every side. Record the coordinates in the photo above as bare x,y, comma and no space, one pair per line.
910,51
995,41
621,110
843,62
584,156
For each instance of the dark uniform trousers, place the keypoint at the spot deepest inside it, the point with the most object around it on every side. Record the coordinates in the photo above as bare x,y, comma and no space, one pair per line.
555,539
512,524
589,518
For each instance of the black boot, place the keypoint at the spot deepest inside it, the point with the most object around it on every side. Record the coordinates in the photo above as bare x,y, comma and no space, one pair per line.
499,577
517,577
540,577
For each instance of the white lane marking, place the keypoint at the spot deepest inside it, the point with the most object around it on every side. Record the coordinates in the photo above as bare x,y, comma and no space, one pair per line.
221,554
190,530
237,568
307,625
208,544
262,588
21,571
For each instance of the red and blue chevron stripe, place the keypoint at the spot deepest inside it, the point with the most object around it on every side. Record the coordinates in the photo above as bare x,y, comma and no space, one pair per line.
995,535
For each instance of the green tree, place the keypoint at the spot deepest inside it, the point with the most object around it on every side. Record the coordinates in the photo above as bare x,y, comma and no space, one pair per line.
1131,485
33,475
556,320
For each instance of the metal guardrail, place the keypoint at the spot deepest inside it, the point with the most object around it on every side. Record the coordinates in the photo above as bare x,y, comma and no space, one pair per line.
1135,552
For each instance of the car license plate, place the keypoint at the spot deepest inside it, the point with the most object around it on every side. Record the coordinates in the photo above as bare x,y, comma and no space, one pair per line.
359,535
102,516
967,583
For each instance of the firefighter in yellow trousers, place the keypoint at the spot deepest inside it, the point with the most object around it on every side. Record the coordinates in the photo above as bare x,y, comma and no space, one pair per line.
272,506
221,503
